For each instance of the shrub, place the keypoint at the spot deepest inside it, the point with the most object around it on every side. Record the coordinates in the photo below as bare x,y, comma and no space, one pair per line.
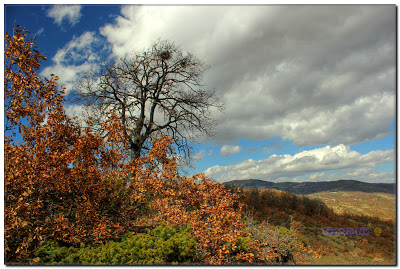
52,253
162,245
275,244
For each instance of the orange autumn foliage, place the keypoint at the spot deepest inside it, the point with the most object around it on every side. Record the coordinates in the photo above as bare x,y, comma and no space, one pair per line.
53,180
64,183
214,213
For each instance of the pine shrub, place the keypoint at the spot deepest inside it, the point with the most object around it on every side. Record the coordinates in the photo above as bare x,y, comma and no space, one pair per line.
162,245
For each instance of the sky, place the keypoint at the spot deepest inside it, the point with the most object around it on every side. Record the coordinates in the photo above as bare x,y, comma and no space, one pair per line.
309,90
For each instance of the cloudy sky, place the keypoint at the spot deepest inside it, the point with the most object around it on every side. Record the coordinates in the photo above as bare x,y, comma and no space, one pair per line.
309,90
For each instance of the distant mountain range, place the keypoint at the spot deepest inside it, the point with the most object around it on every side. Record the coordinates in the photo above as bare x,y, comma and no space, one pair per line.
313,187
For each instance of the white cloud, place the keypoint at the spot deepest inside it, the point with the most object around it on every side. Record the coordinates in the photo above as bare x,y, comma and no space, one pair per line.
382,177
69,74
290,167
78,49
78,56
316,176
72,13
227,150
310,74
201,154
361,171
39,32
74,110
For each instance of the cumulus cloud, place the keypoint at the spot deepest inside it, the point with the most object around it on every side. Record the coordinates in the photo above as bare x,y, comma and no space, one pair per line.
201,154
310,74
78,49
227,150
314,162
71,13
78,56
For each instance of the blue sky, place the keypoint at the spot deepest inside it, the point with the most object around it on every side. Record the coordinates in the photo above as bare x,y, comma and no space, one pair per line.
309,91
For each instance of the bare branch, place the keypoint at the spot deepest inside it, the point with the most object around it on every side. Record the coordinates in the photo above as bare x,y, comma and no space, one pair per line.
158,90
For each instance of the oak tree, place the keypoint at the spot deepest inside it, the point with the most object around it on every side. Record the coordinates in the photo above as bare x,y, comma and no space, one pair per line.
56,185
158,90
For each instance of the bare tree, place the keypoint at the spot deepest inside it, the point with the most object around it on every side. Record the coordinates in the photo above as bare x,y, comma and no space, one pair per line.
159,90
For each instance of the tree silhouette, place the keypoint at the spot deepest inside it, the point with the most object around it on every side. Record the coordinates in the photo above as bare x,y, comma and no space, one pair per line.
159,90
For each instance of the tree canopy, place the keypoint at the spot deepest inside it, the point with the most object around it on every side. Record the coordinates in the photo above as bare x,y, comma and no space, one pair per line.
158,90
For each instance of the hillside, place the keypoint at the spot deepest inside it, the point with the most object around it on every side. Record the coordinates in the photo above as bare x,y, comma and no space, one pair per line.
382,205
314,187
281,208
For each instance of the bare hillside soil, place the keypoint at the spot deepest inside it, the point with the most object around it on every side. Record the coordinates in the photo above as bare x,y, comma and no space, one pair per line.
382,205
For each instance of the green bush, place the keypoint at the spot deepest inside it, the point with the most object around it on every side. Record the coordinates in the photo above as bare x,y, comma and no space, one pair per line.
242,245
52,253
162,245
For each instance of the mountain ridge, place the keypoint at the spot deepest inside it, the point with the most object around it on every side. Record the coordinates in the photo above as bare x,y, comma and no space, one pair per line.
309,187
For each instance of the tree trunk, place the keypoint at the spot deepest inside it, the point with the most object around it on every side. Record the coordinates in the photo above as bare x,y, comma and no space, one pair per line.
135,151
